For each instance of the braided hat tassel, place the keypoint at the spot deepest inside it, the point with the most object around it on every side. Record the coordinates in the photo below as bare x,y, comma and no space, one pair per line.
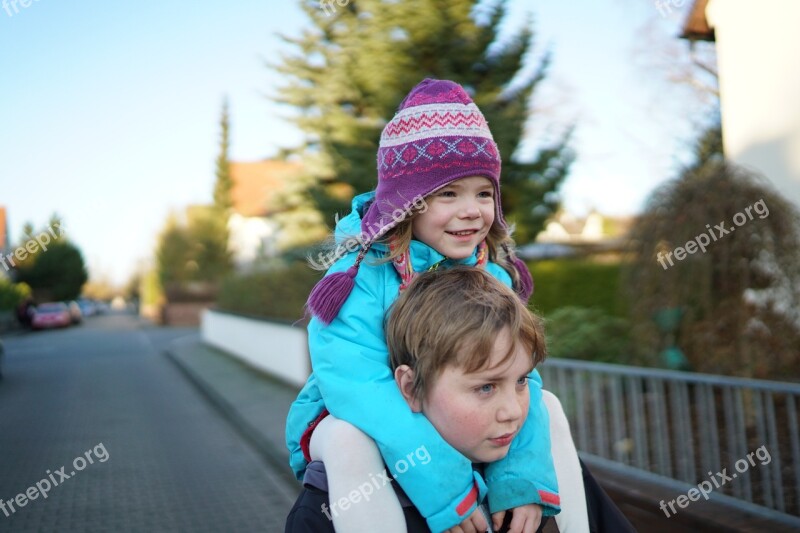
329,294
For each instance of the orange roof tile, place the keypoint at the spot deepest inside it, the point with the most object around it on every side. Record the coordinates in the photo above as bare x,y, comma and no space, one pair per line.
696,27
3,229
256,184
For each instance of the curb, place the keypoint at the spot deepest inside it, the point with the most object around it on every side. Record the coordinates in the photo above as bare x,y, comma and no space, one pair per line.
261,445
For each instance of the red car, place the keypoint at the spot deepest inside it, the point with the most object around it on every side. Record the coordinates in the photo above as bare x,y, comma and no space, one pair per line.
52,315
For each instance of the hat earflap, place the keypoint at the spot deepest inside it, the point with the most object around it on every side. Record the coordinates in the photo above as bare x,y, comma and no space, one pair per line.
524,288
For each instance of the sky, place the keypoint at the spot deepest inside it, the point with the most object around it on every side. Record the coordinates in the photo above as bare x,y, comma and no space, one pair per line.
109,111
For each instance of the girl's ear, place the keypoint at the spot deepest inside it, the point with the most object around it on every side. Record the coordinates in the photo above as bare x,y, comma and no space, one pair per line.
404,377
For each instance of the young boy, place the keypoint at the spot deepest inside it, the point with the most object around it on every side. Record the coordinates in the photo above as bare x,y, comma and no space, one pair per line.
461,346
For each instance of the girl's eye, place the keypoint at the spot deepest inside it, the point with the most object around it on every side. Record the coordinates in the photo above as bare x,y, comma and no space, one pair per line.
486,194
522,381
448,194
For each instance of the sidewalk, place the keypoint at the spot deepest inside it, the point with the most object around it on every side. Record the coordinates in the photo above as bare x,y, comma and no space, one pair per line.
256,404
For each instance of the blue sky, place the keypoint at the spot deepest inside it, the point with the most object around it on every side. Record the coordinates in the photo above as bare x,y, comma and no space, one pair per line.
109,110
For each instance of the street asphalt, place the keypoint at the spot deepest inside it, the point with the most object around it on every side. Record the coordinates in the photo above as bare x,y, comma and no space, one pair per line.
154,426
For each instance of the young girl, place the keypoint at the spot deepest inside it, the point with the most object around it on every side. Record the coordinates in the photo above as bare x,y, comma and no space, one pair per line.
437,204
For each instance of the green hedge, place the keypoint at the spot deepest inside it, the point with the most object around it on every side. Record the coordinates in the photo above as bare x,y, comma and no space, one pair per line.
588,334
277,293
577,283
281,292
11,294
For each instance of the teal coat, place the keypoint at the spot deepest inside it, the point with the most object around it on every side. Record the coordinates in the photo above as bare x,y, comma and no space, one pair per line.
352,378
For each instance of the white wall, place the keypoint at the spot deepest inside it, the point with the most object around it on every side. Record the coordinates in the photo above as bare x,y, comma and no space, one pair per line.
277,349
758,54
250,237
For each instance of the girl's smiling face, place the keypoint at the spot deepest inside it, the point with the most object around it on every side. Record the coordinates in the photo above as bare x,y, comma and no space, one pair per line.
458,217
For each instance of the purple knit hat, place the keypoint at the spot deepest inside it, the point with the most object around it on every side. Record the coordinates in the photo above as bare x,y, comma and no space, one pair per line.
437,136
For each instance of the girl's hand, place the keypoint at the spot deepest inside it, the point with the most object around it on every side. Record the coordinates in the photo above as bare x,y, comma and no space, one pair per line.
475,523
524,519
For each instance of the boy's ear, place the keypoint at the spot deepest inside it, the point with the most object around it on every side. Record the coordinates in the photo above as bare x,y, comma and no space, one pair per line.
404,377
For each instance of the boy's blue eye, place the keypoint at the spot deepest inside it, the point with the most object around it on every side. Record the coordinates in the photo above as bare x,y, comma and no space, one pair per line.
522,381
486,389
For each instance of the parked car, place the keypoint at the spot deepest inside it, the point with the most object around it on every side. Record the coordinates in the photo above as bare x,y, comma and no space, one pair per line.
51,315
88,307
75,312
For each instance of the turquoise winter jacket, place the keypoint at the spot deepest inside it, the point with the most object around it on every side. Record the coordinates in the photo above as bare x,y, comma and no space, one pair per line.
352,378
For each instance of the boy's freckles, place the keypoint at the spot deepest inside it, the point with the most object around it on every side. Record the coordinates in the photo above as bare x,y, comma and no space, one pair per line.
480,413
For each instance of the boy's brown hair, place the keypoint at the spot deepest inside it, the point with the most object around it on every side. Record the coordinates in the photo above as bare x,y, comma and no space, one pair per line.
453,317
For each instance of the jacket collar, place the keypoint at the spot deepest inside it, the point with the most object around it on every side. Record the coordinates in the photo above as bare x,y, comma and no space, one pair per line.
424,257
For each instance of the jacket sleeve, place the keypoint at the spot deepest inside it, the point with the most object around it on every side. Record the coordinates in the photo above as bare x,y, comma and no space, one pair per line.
351,364
527,474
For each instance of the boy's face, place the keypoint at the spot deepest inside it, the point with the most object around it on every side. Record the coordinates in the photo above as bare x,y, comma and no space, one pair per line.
479,413
458,217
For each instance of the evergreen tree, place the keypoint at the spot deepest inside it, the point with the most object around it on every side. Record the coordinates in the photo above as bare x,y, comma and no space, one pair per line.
173,253
352,69
57,272
208,235
208,227
195,251
224,182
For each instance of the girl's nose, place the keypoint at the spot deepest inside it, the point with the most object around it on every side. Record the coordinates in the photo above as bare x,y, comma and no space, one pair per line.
470,210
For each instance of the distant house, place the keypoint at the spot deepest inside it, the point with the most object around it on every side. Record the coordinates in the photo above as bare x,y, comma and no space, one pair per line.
252,232
758,53
566,235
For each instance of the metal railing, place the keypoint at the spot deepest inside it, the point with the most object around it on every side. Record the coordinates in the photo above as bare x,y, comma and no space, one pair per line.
687,427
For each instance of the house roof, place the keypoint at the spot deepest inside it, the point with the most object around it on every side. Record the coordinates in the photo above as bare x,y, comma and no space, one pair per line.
696,27
255,184
3,229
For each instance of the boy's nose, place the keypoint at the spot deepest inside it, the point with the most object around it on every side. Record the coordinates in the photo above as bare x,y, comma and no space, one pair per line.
511,409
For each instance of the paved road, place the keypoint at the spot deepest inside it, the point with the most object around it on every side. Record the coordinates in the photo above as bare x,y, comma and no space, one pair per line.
105,391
